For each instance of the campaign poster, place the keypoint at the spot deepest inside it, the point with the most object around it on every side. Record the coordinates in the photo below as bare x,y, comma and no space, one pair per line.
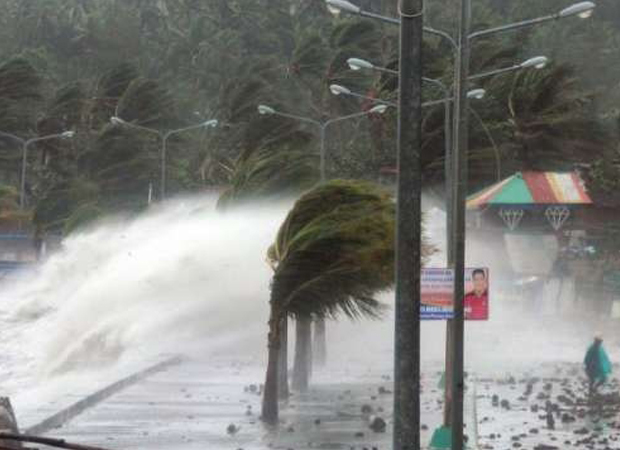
436,285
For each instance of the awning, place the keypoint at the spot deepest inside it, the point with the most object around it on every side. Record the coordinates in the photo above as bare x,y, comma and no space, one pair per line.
533,188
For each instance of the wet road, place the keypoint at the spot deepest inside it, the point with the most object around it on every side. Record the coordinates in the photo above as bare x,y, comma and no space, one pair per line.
191,406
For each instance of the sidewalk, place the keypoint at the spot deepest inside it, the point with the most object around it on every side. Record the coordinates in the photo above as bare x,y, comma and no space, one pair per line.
191,406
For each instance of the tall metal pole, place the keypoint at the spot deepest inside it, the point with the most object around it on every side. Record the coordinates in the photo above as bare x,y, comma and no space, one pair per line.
449,125
408,231
164,148
22,182
322,151
459,183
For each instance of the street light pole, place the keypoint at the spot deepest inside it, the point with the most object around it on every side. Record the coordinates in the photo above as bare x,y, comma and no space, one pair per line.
408,262
163,136
458,197
25,143
323,126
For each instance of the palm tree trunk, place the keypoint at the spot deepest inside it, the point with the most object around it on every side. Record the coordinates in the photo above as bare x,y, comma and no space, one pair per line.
283,391
270,395
303,354
320,343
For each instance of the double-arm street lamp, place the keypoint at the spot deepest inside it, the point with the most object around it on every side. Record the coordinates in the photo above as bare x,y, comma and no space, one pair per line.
458,166
26,143
337,89
163,136
537,62
323,126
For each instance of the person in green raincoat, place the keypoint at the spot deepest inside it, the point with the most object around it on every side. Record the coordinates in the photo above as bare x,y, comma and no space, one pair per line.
597,365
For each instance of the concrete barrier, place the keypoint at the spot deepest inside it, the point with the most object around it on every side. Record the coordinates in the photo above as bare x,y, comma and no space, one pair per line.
64,416
8,424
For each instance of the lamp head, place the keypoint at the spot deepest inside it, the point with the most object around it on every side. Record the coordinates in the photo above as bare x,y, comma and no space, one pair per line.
116,120
476,94
379,109
336,89
538,62
581,9
335,6
211,123
265,110
68,134
358,64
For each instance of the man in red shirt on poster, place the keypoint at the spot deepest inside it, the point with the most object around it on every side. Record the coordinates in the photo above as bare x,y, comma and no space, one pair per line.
477,301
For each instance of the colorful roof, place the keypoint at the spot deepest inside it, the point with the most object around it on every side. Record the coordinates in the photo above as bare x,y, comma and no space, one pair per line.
533,188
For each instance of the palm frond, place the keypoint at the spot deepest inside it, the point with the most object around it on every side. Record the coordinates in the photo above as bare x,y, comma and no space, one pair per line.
335,251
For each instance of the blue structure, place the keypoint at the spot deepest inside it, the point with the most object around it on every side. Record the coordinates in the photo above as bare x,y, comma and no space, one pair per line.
17,252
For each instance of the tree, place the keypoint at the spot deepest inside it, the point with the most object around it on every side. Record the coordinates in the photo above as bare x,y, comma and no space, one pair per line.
11,215
547,121
20,95
270,174
332,254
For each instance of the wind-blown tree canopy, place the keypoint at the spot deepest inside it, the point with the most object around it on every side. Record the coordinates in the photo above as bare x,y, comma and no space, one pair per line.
327,259
20,94
551,122
62,200
270,174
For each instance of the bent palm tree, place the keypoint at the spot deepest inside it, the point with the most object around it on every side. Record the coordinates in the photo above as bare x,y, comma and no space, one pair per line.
269,174
333,253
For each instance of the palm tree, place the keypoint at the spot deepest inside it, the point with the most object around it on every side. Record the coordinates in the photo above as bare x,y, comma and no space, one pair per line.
269,174
333,254
544,120
20,95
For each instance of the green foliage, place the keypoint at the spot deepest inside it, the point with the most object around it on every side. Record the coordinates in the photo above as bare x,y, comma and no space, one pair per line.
82,217
71,64
269,175
551,119
334,252
10,213
20,92
61,201
146,102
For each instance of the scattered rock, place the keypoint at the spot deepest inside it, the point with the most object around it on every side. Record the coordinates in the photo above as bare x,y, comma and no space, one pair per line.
378,425
232,429
567,418
367,409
